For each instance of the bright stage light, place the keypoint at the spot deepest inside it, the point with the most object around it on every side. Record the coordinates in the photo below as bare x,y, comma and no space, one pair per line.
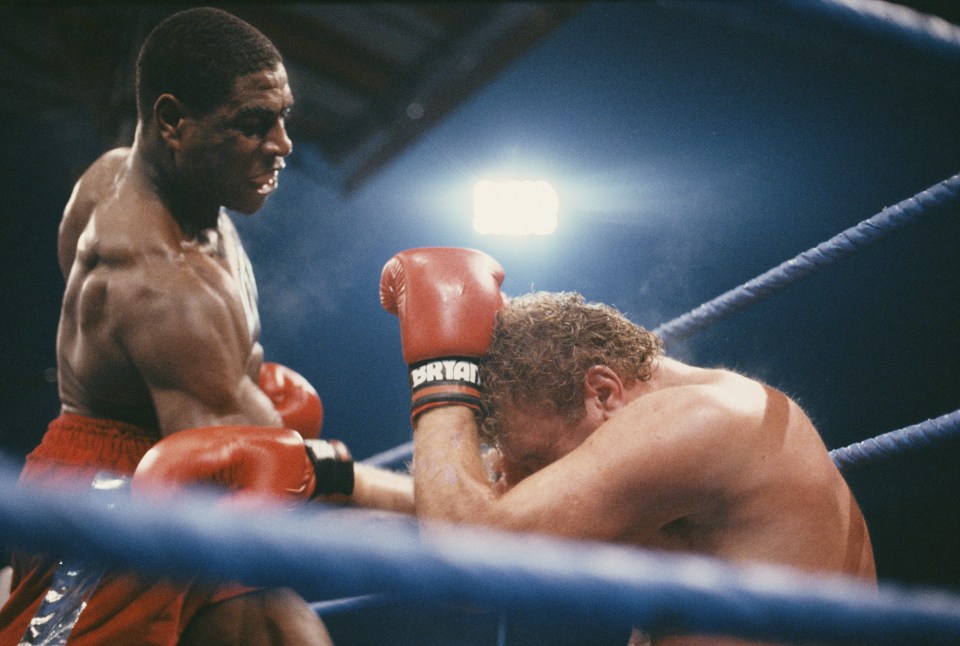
515,208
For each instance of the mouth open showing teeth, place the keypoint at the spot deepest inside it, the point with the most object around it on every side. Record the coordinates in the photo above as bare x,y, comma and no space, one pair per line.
268,183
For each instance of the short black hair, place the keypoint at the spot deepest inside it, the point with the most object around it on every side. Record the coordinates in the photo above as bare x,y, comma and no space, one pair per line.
196,55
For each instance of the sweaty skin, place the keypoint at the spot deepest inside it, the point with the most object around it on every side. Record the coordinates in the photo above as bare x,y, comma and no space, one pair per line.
694,460
159,325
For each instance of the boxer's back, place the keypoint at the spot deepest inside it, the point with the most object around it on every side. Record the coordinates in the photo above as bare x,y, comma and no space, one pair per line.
132,278
94,376
777,496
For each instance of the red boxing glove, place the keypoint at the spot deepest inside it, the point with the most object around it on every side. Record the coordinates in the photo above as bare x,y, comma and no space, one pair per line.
252,462
294,398
446,299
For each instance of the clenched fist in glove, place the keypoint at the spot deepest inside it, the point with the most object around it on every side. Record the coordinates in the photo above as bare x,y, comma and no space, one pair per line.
446,299
294,398
249,461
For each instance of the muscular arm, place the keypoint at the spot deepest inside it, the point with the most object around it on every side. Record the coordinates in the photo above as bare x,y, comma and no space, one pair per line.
635,474
185,330
382,489
183,327
376,488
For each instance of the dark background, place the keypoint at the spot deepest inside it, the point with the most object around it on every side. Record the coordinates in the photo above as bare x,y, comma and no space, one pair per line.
691,151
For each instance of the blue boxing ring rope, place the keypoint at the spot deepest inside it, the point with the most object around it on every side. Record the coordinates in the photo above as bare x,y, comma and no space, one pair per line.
358,561
349,556
354,561
841,246
913,438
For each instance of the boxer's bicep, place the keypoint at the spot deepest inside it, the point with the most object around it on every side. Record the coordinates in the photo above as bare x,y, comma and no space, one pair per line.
183,338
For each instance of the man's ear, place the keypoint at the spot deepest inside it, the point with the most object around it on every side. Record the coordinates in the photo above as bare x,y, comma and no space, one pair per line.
168,114
602,387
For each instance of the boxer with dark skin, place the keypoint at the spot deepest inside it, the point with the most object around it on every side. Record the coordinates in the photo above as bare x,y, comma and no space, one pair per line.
603,437
159,330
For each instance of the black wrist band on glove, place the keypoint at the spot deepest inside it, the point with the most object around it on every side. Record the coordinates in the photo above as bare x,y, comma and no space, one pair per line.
334,473
441,382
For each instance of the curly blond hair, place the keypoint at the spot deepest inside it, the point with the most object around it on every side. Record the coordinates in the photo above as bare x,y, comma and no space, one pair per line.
543,344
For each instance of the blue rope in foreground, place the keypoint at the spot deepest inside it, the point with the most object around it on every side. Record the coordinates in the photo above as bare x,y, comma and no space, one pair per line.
394,458
920,436
351,604
326,555
840,246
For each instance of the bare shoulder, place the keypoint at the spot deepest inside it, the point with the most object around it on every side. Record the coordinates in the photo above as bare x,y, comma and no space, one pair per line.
93,187
745,396
730,421
146,279
173,300
704,422
727,392
708,395
99,177
148,298
174,320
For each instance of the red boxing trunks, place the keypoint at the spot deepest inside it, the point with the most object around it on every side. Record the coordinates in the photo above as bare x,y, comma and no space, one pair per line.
123,607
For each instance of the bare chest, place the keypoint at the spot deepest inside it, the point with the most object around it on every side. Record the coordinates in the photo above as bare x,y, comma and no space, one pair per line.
237,279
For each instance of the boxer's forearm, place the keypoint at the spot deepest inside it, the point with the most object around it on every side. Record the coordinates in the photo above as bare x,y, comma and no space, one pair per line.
449,475
446,300
382,489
